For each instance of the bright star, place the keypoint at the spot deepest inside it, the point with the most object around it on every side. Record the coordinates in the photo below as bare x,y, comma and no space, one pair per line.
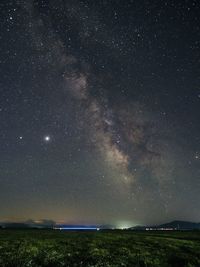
47,138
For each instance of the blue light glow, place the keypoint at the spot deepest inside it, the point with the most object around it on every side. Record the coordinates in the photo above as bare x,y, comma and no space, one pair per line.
76,228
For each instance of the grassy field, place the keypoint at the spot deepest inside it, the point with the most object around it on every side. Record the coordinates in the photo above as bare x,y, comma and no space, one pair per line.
104,248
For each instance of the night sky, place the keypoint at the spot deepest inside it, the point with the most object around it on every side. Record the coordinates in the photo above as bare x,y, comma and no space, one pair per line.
100,111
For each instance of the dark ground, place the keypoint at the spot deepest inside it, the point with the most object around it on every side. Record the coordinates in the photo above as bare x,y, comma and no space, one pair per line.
104,248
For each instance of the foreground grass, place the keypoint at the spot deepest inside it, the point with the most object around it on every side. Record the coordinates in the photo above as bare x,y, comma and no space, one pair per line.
52,248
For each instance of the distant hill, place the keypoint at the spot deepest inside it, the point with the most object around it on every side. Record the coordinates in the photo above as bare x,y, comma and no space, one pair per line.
175,225
14,225
138,227
28,224
107,226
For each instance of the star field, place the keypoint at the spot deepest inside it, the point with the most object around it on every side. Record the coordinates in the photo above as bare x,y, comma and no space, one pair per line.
100,111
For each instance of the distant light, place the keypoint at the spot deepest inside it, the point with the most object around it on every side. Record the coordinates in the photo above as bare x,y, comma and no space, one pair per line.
21,137
123,225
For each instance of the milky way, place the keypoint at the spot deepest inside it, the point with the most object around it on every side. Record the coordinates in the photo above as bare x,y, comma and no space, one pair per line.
106,109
